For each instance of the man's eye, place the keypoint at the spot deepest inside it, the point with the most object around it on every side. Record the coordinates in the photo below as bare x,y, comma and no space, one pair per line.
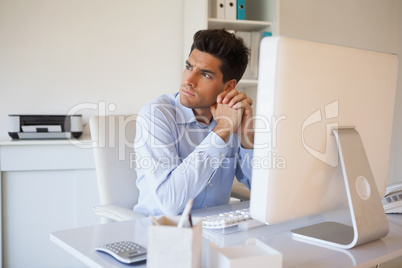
188,67
207,75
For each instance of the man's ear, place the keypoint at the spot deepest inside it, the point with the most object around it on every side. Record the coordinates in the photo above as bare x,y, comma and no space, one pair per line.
231,84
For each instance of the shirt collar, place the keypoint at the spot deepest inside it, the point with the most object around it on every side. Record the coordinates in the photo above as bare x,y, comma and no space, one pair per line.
184,115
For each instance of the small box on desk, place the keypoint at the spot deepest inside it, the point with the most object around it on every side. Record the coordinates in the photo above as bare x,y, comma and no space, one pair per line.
170,246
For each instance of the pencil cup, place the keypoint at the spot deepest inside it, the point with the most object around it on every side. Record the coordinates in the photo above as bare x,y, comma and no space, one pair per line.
169,246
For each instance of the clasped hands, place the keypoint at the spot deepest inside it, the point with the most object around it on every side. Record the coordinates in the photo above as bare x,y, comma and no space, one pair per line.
233,114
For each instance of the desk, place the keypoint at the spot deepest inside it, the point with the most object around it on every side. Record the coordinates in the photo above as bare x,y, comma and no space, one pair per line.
81,242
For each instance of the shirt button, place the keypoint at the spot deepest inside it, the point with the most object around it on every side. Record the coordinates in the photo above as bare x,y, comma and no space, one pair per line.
210,184
205,206
222,155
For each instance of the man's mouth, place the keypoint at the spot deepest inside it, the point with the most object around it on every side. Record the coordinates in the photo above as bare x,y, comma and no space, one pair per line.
186,92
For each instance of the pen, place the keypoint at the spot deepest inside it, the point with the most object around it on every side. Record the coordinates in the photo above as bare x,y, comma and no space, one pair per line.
186,213
190,220
154,220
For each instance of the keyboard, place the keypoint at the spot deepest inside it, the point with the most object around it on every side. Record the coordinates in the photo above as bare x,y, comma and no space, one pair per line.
239,219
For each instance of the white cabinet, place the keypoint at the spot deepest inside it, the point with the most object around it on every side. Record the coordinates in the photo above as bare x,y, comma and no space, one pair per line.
45,186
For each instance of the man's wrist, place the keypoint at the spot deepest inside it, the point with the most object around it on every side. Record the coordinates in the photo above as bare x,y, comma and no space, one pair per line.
223,132
247,141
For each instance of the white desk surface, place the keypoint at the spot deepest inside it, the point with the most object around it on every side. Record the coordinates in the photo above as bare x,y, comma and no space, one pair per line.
81,242
84,141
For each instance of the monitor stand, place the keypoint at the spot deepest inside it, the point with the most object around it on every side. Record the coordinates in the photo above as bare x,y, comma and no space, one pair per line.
367,213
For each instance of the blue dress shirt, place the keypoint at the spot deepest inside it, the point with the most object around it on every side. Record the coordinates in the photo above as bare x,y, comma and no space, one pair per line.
178,158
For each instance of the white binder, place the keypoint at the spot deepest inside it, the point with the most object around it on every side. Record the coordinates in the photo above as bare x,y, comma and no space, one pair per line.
230,9
218,9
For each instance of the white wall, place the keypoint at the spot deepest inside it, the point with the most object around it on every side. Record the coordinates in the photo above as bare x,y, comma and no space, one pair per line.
56,54
367,24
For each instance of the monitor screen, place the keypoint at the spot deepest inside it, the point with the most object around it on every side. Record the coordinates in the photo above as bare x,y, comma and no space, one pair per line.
305,90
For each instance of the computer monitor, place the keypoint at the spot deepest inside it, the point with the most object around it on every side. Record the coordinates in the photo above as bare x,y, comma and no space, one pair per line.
323,126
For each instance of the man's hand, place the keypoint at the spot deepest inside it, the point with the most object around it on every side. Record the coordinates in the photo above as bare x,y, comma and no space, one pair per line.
240,101
227,119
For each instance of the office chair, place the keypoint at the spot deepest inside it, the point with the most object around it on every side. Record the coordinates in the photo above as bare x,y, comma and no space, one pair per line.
113,140
115,168
240,191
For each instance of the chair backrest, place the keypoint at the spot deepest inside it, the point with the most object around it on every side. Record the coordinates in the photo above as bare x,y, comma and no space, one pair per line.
113,149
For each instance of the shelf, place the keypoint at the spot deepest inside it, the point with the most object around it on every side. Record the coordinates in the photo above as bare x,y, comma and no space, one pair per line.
245,83
239,25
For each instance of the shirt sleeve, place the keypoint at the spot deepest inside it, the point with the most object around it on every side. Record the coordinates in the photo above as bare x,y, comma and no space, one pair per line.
245,166
171,180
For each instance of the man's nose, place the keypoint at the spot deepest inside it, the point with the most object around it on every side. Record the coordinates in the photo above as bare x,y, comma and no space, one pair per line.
190,78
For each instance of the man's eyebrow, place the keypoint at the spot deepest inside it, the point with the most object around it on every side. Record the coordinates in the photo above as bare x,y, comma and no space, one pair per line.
208,72
202,70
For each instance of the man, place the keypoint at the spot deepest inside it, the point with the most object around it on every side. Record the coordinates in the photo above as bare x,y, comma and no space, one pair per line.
192,144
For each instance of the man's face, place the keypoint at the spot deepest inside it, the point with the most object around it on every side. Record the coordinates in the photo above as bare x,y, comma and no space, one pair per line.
202,81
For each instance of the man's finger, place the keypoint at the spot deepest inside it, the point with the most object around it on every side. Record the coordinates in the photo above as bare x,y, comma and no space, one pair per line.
230,95
245,104
221,96
238,98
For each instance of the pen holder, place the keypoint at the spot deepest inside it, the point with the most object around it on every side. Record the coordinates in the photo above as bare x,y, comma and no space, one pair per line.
169,246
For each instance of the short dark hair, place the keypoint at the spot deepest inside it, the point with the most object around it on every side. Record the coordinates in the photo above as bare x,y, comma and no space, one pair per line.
225,46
